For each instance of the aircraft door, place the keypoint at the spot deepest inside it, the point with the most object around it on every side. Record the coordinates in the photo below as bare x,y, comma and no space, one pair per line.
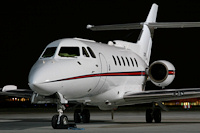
104,69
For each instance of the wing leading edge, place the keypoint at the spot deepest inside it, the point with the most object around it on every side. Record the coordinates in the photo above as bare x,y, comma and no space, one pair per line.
11,90
161,95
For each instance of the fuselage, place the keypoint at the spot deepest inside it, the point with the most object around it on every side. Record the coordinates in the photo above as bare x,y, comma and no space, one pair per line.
84,69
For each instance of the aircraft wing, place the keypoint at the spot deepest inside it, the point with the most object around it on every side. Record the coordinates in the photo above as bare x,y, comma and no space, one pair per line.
161,95
12,90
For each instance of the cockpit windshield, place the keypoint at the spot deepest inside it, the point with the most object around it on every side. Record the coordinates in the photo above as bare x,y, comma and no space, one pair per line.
49,52
69,52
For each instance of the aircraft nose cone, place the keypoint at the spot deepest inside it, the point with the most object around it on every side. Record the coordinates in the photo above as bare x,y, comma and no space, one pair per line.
38,78
36,83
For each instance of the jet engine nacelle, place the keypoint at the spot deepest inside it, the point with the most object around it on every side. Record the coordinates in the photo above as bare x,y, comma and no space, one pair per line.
161,73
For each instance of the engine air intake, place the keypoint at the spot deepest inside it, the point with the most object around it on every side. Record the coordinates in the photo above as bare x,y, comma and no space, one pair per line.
161,73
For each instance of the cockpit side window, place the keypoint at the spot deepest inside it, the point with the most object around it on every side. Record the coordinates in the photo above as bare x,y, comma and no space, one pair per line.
85,53
69,52
91,52
49,52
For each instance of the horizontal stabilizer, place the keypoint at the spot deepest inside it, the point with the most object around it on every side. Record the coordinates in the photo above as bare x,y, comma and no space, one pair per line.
154,25
128,26
174,24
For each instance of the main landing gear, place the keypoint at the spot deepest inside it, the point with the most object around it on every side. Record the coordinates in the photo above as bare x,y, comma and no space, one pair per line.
81,116
153,114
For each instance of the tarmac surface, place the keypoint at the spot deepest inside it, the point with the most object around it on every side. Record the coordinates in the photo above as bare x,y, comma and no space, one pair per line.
124,121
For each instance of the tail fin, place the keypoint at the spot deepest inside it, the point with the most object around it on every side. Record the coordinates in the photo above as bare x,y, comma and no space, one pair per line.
144,43
145,38
152,14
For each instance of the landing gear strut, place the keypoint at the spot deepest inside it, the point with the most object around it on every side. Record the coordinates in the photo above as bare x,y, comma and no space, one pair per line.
153,114
82,115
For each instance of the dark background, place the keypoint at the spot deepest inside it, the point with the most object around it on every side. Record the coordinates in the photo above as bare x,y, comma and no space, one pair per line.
27,26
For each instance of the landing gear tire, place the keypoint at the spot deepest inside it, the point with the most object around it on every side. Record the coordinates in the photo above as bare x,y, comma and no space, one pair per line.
54,121
149,116
77,116
63,122
86,116
157,115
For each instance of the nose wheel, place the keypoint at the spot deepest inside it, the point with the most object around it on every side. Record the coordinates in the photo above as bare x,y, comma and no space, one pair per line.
62,123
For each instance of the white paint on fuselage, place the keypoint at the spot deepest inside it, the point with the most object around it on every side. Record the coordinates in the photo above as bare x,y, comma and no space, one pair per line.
78,77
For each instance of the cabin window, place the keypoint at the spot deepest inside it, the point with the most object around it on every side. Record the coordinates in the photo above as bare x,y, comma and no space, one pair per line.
136,62
123,61
114,60
132,62
69,52
119,60
49,52
91,52
127,61
85,53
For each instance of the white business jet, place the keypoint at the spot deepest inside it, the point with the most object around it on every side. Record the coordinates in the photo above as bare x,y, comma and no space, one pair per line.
104,75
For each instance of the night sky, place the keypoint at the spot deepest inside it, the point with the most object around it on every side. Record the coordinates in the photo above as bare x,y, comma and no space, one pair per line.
27,26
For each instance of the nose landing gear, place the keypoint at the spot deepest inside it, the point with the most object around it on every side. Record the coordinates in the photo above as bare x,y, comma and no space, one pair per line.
60,121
